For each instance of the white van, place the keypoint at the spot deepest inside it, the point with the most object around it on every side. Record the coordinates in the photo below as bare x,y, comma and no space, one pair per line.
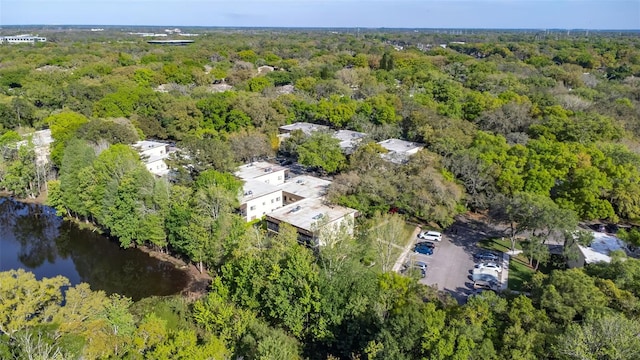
430,235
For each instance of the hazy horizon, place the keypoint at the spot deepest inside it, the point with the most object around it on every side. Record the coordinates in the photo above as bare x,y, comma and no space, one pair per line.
403,14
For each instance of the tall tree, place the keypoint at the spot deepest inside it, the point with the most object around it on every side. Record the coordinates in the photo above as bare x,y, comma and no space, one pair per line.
63,128
321,150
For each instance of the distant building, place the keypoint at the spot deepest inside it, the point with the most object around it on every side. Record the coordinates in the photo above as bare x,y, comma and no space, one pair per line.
169,42
349,140
41,141
22,39
305,127
154,154
312,219
399,151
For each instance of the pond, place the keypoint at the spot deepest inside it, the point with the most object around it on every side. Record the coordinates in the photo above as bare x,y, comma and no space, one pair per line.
33,238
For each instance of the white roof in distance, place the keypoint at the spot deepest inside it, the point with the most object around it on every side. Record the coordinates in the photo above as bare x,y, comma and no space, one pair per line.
306,186
256,169
148,144
348,138
305,213
399,150
400,146
348,135
601,248
306,127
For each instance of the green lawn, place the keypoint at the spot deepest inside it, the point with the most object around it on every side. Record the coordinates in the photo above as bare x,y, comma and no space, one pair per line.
400,242
519,269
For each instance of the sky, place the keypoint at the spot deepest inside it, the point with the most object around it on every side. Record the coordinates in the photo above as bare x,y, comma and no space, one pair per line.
493,14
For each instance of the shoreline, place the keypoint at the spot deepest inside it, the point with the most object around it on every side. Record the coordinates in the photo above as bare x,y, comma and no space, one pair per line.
197,283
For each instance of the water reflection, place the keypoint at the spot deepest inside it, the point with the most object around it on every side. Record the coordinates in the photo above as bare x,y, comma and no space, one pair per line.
33,238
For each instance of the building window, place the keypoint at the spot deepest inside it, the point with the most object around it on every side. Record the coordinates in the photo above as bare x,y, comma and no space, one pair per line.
272,201
278,198
280,177
252,208
272,226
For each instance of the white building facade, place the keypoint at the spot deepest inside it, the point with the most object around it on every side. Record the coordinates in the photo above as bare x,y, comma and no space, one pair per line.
22,39
154,154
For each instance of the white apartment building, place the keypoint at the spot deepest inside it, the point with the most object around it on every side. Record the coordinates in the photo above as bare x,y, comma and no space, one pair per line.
261,194
154,154
313,219
258,199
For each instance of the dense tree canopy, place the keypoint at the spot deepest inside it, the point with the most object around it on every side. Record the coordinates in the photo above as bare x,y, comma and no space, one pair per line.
540,129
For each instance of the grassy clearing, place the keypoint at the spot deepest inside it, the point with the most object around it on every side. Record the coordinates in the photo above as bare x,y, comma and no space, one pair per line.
394,250
519,270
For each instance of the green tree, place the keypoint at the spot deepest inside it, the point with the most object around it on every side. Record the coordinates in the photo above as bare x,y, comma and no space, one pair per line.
570,295
63,128
257,84
535,249
323,151
26,301
601,336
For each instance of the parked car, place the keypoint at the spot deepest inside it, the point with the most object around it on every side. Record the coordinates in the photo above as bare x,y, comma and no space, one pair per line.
486,256
430,235
420,248
489,265
416,265
485,285
427,244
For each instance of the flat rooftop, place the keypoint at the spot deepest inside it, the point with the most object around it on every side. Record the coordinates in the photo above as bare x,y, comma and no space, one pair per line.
400,146
253,189
305,213
601,248
148,144
348,138
306,186
257,169
348,135
306,127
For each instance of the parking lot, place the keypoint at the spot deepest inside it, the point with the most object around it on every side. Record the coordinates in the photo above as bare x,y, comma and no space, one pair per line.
449,268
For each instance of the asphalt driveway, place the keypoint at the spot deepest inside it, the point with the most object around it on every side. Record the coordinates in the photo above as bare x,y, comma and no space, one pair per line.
449,268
